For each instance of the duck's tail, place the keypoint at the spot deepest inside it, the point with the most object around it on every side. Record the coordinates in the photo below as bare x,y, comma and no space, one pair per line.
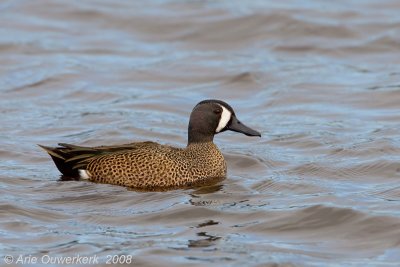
69,159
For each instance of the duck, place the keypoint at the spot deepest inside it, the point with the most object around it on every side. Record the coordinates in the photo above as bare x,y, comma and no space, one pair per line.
150,165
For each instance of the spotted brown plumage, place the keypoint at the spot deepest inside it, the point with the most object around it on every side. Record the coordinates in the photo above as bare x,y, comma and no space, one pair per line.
149,165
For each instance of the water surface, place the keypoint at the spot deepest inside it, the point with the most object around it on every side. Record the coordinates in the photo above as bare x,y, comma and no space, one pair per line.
320,80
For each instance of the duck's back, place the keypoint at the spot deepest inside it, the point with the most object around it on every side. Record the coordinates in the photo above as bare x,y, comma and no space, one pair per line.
155,165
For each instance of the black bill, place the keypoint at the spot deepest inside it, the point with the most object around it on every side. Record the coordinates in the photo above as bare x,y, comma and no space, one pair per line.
239,127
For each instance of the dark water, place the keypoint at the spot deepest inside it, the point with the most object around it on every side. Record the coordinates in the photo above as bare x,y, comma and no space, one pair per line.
319,79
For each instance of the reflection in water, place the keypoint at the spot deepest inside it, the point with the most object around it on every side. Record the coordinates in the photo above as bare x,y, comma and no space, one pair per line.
204,242
207,223
207,189
208,241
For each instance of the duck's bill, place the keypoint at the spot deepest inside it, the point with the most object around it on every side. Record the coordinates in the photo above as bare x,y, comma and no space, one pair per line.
239,127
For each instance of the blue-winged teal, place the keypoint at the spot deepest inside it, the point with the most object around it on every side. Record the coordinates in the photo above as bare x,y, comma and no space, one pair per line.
149,165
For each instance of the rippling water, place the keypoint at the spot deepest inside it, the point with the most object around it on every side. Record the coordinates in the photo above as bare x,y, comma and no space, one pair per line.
320,80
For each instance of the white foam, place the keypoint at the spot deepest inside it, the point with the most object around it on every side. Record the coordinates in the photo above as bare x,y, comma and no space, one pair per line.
84,174
225,118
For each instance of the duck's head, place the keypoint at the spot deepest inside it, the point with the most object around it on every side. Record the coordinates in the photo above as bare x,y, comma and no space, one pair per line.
210,117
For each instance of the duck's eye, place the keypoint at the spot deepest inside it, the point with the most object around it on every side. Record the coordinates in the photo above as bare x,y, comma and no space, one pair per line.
217,111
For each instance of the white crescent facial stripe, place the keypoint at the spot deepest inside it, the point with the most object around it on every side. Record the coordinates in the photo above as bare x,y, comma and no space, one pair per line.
225,118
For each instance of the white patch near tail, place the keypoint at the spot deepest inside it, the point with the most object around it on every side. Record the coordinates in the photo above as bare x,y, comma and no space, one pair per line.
84,174
225,118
